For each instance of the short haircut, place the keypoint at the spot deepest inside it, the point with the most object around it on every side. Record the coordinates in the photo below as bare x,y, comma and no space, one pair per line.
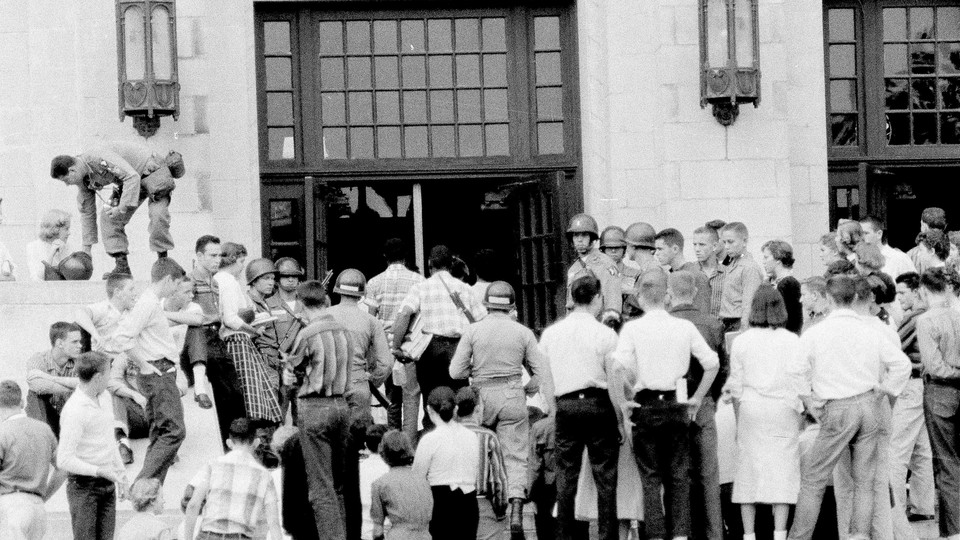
374,434
670,237
440,258
165,266
882,288
709,231
936,241
780,251
231,253
910,279
91,363
934,280
442,401
716,224
935,218
11,395
54,221
467,399
60,166
202,242
875,224
816,285
312,294
767,309
842,289
738,228
60,329
652,286
242,431
395,449
683,285
829,240
850,233
116,282
842,267
485,264
584,289
869,256
394,250
143,492
865,291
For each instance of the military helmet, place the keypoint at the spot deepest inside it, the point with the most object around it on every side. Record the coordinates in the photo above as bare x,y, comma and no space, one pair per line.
289,267
350,282
500,296
613,237
583,223
258,268
641,234
77,267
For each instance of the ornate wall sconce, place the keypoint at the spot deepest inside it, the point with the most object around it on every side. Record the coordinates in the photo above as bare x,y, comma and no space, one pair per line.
147,62
729,56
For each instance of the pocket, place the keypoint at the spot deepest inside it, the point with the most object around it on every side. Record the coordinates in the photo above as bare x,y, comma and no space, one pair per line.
941,401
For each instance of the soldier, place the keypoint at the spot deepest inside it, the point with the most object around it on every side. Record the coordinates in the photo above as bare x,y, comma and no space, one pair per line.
136,174
261,277
641,246
613,244
583,233
286,306
493,353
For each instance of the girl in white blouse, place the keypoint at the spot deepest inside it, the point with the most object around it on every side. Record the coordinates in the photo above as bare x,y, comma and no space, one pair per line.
51,246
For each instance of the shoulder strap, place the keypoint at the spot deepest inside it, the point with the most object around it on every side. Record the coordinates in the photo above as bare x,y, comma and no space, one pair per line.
457,301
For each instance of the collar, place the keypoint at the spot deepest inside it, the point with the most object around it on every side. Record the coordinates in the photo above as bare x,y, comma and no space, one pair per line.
845,312
581,315
683,307
20,414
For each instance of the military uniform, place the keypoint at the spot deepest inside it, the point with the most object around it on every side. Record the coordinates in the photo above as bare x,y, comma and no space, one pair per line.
123,165
628,274
604,269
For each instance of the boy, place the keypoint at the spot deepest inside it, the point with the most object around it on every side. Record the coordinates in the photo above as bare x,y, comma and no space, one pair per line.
742,277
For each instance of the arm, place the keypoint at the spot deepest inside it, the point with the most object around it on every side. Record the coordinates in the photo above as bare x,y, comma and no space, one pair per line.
708,359
71,431
230,304
534,361
752,279
423,457
127,175
898,368
930,354
460,364
188,318
379,358
400,326
55,476
626,358
84,318
377,509
193,510
272,511
43,384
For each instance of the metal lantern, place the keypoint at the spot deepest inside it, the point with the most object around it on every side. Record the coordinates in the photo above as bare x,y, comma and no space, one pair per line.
147,62
729,56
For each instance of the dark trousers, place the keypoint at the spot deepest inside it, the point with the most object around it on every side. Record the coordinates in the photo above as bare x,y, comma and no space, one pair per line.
165,415
455,514
224,383
544,496
433,370
194,351
941,407
93,507
394,395
705,475
586,419
324,441
41,407
134,416
661,442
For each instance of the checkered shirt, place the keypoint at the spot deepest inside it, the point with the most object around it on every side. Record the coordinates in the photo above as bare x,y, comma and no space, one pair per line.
240,494
388,288
440,315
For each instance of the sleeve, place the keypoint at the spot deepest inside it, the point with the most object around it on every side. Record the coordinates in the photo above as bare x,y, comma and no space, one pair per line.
701,351
473,305
423,457
930,353
611,289
898,367
734,382
412,300
71,431
271,504
118,374
130,327
379,353
230,304
377,506
202,478
87,203
534,360
800,367
127,175
625,353
460,364
752,279
40,385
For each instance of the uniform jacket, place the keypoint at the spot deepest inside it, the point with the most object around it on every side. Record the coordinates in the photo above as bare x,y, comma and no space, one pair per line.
604,269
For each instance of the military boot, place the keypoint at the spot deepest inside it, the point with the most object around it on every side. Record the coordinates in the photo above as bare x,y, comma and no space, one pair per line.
516,519
121,267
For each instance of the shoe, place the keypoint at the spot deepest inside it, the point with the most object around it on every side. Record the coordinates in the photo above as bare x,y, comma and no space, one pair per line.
913,518
516,518
121,267
126,454
204,401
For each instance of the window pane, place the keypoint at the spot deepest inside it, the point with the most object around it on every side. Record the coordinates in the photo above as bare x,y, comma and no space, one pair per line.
358,73
948,23
135,44
415,107
385,37
160,35
843,96
467,34
278,73
439,35
280,143
468,70
334,107
494,70
414,72
894,60
442,141
361,143
925,128
494,35
386,72
441,107
548,69
388,108
334,143
549,104
949,58
546,33
897,95
921,59
471,141
922,94
331,38
550,138
361,108
388,142
498,140
898,129
843,60
844,127
279,109
921,23
743,18
468,106
415,141
331,73
894,24
441,72
358,37
276,37
717,34
950,128
411,37
950,93
841,25
495,106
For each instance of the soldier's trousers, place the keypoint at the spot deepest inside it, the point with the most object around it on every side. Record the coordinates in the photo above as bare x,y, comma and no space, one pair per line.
115,236
505,412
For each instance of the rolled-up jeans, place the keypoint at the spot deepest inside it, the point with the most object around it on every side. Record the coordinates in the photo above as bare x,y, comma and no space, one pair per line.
93,507
855,423
165,415
324,440
22,517
941,405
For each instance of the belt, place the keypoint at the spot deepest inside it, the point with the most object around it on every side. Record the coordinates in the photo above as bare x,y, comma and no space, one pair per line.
225,536
939,381
647,396
446,338
584,393
869,394
161,364
496,381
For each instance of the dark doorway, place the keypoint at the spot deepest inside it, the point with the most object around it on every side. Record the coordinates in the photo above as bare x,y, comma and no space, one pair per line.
907,191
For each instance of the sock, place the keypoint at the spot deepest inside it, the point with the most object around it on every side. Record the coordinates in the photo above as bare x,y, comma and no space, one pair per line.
161,254
199,379
779,535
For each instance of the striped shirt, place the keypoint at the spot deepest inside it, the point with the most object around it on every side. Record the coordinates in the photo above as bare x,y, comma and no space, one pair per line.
240,494
326,348
387,290
491,473
440,315
715,279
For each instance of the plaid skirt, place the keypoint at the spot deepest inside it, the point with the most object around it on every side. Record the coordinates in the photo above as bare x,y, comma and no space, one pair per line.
258,395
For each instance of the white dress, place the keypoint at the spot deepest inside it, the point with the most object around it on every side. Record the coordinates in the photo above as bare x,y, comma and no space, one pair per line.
768,422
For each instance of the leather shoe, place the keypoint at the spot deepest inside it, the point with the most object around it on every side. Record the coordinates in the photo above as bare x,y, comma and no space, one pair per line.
204,401
126,454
